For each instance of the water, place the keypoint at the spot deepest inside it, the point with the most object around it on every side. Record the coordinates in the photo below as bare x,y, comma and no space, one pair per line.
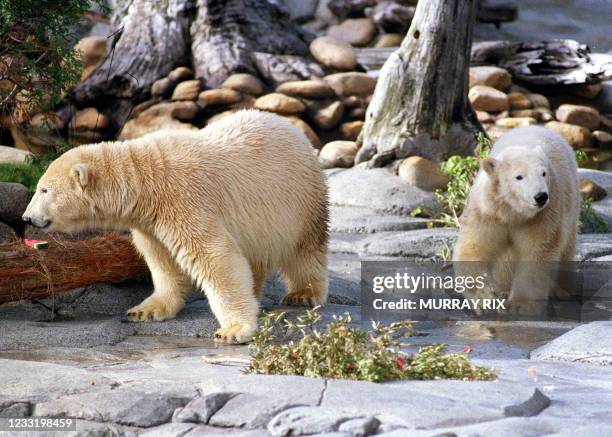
586,21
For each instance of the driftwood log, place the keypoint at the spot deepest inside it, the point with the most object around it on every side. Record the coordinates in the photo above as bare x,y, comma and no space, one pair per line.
26,273
420,103
558,62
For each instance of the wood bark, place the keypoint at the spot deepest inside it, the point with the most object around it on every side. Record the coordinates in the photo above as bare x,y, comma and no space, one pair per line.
250,36
151,39
420,104
26,273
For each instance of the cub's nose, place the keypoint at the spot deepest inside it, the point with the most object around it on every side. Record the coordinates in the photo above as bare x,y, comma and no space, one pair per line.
541,199
27,219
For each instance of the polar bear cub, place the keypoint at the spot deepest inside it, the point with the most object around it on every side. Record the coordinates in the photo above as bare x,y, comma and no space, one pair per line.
524,206
219,207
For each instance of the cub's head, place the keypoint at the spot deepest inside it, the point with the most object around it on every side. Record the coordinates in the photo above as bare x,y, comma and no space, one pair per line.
521,177
62,201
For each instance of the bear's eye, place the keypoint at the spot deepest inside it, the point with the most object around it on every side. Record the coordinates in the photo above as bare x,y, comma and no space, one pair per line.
544,174
43,190
519,177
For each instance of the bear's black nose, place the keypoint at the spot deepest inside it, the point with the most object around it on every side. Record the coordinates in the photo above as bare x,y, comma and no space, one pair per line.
541,199
26,219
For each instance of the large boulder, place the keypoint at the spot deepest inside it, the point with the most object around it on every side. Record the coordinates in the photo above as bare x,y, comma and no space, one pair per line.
422,173
244,83
280,103
354,31
328,116
218,97
310,89
7,234
333,54
12,155
91,50
188,90
89,119
338,154
161,116
351,84
576,136
14,199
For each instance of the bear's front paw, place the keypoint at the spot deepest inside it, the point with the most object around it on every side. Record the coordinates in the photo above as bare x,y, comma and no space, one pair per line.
305,297
235,334
152,309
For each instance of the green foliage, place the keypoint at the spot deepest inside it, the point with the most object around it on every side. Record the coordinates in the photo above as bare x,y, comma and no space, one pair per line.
29,173
346,352
581,157
461,171
37,58
589,220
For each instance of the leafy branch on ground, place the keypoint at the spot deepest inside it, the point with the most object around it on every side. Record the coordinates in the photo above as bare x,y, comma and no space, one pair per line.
342,351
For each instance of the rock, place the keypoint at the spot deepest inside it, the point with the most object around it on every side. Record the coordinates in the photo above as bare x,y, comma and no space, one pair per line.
586,90
180,110
533,406
333,54
354,31
201,409
422,173
484,117
122,406
519,101
584,116
338,154
92,50
602,139
364,220
530,113
162,87
308,131
11,155
7,234
591,191
280,103
544,114
351,130
180,74
538,100
244,83
14,199
494,77
310,89
513,122
216,97
391,17
358,113
590,343
576,136
488,99
389,40
147,123
187,90
306,421
378,189
351,84
329,116
89,119
361,426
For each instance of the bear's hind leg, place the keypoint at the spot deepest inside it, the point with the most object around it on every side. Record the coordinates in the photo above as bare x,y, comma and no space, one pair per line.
306,276
260,275
169,282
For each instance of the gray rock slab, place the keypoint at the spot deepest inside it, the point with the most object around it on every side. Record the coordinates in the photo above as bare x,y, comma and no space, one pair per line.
120,406
416,244
378,189
590,343
592,246
533,406
38,381
307,421
201,409
365,220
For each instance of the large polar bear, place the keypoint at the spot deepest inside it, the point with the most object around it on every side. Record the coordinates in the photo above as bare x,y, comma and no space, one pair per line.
523,206
220,207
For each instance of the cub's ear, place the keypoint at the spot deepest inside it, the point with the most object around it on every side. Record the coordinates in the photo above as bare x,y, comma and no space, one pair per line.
81,173
489,165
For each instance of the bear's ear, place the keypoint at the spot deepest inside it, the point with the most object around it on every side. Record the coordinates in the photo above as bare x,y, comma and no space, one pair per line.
489,165
81,173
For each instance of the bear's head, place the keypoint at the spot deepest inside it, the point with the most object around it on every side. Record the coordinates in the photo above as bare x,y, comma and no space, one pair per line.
521,179
63,199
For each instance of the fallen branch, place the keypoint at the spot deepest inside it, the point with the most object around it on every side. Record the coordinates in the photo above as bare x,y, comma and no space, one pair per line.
27,273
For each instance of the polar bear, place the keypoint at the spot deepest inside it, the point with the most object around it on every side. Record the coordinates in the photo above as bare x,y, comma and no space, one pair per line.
523,206
219,207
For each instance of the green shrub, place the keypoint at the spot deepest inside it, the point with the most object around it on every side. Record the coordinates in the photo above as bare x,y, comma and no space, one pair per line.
346,352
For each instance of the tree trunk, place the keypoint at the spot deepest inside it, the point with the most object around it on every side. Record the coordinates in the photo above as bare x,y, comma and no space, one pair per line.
26,273
219,37
420,104
151,39
249,36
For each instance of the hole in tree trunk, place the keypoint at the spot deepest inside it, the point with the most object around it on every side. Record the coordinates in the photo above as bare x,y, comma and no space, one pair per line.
416,34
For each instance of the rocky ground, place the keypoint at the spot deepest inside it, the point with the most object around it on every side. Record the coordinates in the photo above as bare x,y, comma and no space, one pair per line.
76,355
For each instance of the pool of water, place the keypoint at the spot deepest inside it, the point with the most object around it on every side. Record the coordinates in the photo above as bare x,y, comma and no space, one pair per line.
587,21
